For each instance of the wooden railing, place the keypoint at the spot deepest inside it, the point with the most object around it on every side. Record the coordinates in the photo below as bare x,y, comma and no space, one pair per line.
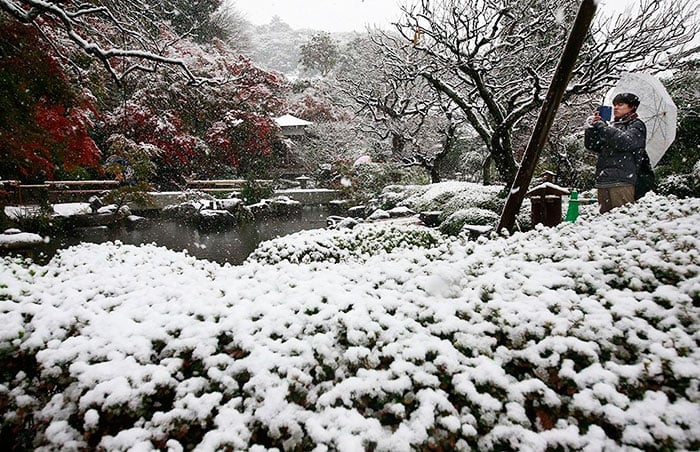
80,191
55,191
75,191
222,185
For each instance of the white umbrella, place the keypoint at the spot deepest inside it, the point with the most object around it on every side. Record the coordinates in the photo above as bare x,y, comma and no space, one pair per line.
656,109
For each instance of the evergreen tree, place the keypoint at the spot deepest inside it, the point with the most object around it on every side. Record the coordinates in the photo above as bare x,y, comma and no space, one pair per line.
320,53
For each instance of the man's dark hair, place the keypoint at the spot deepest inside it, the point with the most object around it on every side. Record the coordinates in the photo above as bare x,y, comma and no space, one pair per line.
627,98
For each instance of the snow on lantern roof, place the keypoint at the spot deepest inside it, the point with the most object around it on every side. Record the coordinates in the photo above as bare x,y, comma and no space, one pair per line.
291,121
547,188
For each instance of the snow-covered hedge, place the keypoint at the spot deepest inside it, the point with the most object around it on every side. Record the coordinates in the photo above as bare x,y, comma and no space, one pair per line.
580,337
454,223
460,203
344,245
449,196
679,185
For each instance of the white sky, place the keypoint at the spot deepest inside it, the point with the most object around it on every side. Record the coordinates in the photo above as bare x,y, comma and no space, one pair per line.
326,15
340,15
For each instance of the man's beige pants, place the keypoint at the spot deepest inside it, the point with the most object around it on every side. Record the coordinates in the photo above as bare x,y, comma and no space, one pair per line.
612,197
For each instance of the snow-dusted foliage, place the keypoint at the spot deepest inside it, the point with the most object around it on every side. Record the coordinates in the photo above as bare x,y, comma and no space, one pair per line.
580,337
677,184
681,184
459,203
345,245
454,223
449,196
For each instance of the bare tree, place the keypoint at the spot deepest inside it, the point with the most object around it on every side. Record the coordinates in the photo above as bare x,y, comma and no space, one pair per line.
230,25
393,103
124,35
495,59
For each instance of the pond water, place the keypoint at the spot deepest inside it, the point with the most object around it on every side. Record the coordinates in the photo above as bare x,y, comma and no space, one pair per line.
232,246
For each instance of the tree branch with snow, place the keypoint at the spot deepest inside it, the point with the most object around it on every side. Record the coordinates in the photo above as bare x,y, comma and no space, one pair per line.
95,27
495,61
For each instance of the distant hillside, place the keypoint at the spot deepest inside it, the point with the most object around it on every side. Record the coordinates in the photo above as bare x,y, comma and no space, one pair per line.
276,46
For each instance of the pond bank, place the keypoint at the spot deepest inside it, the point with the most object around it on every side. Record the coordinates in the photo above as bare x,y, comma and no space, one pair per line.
232,245
307,197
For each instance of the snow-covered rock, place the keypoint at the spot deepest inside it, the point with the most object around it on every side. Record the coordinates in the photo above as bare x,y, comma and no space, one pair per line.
379,214
13,239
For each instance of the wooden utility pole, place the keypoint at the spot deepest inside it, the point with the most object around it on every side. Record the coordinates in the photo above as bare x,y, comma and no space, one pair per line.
555,93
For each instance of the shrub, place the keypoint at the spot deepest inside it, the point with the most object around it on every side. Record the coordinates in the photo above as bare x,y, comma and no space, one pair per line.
364,182
580,337
681,185
456,221
37,219
253,192
344,245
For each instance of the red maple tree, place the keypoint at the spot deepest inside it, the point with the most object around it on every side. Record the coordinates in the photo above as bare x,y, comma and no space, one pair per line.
213,130
244,141
44,122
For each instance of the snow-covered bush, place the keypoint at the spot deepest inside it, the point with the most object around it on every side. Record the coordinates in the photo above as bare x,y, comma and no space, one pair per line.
392,195
451,196
678,175
343,245
38,219
453,224
679,185
579,337
365,181
460,202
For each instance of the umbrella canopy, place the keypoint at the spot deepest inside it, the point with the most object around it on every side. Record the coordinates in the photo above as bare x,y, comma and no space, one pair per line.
656,109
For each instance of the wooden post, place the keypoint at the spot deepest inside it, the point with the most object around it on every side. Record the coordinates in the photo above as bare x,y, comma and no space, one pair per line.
555,93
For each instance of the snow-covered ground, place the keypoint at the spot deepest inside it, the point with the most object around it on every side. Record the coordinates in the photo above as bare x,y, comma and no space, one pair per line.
580,337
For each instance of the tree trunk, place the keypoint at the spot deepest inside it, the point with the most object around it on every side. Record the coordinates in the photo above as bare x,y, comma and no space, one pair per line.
486,177
398,143
505,163
501,155
435,174
447,145
4,219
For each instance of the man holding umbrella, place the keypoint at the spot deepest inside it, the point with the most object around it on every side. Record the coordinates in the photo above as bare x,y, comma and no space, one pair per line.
622,158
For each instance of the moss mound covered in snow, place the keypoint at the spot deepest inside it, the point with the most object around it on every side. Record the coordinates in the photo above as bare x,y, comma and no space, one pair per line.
580,337
344,245
459,203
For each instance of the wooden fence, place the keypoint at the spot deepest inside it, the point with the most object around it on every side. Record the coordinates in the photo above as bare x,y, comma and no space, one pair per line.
214,186
55,191
80,191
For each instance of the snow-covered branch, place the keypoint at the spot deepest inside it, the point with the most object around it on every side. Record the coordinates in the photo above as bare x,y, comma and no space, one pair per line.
95,26
495,59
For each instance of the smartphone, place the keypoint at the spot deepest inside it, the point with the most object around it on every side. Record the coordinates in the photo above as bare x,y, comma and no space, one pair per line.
605,112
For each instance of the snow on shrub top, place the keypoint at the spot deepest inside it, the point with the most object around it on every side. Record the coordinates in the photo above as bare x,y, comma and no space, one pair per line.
459,203
450,196
582,336
343,245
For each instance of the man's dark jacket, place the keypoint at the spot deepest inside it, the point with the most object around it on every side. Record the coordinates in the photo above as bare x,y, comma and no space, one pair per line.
622,155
